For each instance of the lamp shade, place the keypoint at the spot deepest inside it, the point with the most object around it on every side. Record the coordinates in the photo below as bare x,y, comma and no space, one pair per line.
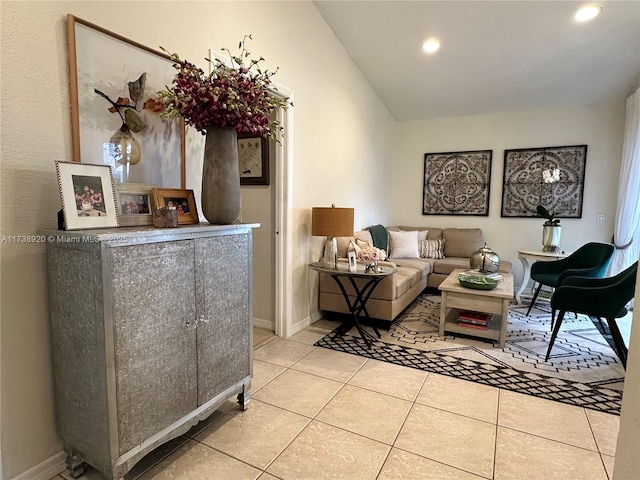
332,222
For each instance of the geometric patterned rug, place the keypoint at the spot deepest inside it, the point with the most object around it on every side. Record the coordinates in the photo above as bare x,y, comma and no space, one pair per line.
582,370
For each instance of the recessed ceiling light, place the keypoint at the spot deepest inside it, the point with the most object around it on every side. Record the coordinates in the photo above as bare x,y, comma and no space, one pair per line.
431,46
587,13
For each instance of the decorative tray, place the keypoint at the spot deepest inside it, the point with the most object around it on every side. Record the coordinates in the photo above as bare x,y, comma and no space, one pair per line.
478,282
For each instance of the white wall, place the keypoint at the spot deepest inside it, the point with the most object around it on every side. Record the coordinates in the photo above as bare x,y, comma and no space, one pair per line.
341,143
600,127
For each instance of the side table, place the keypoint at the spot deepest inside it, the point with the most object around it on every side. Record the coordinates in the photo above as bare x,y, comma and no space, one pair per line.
357,309
527,258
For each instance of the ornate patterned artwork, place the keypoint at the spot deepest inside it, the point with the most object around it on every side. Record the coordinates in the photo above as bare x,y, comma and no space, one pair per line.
457,183
525,186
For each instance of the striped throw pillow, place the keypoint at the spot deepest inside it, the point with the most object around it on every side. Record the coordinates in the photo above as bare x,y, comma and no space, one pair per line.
432,248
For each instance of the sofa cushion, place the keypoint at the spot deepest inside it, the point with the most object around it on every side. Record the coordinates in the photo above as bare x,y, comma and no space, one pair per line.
403,244
343,242
449,264
432,248
433,233
423,266
462,242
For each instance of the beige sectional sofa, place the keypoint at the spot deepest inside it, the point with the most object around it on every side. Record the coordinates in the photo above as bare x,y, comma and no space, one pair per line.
413,275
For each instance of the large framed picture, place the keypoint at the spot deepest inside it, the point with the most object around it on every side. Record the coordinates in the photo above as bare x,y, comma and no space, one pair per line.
135,204
182,200
549,176
87,195
115,113
457,183
253,155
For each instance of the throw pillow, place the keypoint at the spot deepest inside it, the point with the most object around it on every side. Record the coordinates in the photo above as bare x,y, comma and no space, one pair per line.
357,246
403,244
432,249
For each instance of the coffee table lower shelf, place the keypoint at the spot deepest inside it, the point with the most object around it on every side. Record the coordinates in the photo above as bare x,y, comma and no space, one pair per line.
493,331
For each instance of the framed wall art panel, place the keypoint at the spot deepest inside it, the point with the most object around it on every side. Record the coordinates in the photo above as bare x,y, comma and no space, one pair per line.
551,176
457,183
253,155
114,109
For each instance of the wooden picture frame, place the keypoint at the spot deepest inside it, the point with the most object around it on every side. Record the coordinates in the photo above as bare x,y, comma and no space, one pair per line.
182,200
524,187
253,155
457,183
135,204
114,83
87,195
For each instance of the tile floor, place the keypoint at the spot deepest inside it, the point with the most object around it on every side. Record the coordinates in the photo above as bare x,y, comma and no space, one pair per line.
317,414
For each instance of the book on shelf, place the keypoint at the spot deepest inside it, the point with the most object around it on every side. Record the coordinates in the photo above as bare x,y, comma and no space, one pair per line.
473,325
477,318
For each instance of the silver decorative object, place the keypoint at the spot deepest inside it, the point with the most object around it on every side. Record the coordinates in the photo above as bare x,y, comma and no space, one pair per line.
151,333
485,260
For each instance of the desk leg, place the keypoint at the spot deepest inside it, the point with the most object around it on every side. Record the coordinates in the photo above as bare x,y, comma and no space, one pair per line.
357,307
525,279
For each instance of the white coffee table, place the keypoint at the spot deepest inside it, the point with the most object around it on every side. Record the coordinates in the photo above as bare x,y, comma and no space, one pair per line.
455,298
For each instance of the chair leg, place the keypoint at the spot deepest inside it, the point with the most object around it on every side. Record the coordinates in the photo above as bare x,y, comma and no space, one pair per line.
618,341
556,329
533,300
553,318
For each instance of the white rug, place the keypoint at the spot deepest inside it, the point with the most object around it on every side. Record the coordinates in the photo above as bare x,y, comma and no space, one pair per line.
583,369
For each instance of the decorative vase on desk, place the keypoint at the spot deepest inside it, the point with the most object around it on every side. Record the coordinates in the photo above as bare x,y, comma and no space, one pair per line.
551,230
221,176
234,97
551,238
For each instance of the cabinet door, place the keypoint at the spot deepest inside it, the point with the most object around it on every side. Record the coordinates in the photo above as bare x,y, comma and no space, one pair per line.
223,266
154,337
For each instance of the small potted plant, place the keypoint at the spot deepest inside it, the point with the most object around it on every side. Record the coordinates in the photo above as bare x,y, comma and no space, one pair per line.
551,230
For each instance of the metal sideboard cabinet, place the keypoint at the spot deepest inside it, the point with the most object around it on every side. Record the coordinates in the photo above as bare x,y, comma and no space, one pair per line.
151,332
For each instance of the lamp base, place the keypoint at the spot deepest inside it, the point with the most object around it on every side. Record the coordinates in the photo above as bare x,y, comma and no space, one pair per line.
330,259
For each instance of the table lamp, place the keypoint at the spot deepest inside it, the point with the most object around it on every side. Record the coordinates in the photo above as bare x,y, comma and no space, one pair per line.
331,222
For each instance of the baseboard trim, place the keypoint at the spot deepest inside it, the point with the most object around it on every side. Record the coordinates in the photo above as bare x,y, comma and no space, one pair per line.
46,470
304,323
262,323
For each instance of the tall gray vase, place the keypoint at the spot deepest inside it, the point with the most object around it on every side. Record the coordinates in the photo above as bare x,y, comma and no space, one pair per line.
221,176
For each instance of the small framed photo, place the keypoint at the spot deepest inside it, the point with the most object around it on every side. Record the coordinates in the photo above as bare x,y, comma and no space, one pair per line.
181,200
352,261
87,194
253,155
135,204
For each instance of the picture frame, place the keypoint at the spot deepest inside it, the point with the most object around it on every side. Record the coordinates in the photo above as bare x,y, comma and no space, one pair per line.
115,114
87,195
353,265
182,200
135,204
524,186
253,155
457,183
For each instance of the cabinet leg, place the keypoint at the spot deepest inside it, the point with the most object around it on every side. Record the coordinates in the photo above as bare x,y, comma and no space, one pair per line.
243,399
76,466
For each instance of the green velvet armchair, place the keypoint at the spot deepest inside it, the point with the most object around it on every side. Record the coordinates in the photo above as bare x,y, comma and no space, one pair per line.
596,297
590,260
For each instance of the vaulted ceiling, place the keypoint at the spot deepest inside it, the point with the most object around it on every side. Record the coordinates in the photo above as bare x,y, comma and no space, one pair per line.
495,56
